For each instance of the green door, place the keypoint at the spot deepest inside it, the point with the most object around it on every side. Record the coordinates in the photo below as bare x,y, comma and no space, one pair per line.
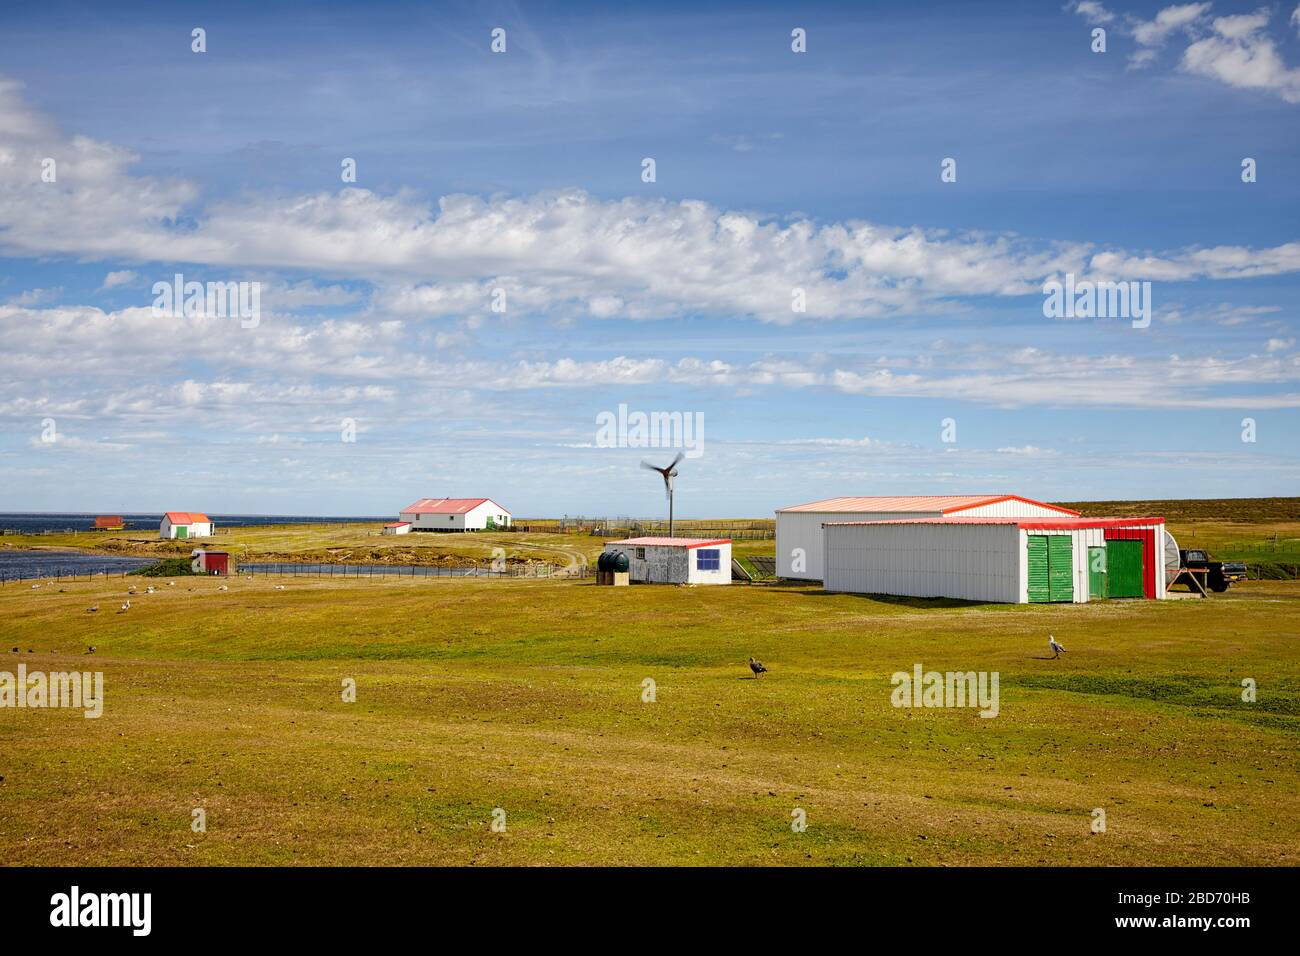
1037,554
1124,568
1060,567
1096,573
1051,567
182,531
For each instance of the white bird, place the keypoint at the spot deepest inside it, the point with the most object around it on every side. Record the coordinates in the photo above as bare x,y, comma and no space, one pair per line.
171,584
279,587
1057,649
149,589
126,606
35,586
92,609
223,588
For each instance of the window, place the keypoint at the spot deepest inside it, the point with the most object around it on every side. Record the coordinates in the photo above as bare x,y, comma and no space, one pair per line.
708,559
640,554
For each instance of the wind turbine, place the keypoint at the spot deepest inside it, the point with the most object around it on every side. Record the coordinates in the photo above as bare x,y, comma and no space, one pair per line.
668,474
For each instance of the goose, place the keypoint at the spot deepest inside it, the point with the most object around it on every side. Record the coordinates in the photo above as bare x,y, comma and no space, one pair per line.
126,606
1057,649
757,667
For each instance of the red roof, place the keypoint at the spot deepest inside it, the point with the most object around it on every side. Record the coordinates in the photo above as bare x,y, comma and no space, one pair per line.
444,506
108,521
186,517
1024,524
673,542
397,524
944,504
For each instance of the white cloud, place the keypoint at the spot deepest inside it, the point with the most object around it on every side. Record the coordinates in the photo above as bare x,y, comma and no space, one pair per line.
1092,10
1029,451
561,252
119,278
1239,53
1154,32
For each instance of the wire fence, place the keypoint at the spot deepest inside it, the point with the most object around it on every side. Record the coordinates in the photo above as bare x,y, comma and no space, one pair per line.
61,574
485,569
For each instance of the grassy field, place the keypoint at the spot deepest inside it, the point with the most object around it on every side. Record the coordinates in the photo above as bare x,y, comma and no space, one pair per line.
526,696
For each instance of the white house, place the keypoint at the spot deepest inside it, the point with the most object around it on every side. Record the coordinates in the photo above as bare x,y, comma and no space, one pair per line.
676,560
185,524
1009,560
799,528
398,527
455,514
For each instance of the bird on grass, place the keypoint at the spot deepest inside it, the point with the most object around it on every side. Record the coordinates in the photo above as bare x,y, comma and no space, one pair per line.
171,584
223,588
1057,649
757,667
35,586
126,606
90,649
279,587
92,609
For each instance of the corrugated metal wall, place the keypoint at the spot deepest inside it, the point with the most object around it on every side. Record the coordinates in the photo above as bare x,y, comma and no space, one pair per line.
970,562
803,529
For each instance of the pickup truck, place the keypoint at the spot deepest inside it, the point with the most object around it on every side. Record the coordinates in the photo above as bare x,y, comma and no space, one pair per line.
1221,573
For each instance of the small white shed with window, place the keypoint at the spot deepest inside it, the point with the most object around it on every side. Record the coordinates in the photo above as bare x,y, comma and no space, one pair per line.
676,560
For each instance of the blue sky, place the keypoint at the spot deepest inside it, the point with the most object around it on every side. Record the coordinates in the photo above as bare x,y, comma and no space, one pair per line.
522,171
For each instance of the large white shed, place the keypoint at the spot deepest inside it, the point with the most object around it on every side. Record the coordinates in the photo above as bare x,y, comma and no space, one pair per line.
658,560
455,514
185,524
1009,560
799,528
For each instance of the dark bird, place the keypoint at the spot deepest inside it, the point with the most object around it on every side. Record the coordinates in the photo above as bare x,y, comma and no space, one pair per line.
90,649
15,650
757,667
1057,649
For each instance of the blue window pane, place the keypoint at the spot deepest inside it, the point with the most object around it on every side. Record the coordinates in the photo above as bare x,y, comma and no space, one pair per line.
708,559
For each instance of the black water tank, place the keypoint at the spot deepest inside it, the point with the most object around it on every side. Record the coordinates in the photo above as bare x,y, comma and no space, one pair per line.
612,561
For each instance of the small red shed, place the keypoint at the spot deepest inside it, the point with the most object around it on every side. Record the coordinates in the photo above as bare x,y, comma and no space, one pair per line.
205,561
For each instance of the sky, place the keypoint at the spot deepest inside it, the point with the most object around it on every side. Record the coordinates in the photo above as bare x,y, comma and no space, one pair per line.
836,272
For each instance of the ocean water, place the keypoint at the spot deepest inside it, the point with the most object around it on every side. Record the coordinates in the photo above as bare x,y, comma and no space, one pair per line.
32,522
52,565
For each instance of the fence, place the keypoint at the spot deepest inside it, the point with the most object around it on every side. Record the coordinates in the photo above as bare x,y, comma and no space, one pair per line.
739,530
482,570
62,574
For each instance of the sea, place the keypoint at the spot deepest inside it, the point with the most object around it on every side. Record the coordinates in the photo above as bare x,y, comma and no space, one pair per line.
18,565
31,522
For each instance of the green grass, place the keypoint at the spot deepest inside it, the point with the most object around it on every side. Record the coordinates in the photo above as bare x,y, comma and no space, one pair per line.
526,695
